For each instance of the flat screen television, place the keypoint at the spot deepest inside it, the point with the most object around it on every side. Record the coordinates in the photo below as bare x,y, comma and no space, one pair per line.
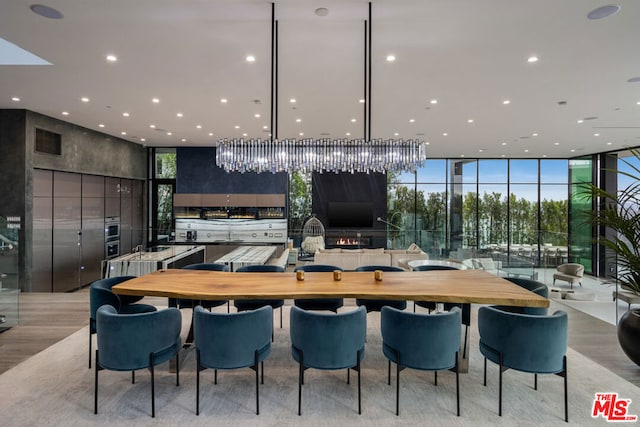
350,214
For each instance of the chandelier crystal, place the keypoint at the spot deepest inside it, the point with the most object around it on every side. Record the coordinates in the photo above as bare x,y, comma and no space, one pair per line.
307,155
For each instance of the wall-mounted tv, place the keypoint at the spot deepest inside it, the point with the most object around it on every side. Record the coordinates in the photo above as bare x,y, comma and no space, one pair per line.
350,214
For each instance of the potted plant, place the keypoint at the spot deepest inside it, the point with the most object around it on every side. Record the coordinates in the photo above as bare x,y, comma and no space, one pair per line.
620,212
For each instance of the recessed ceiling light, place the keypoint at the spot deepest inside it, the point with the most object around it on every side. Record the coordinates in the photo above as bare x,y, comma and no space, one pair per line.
126,114
636,102
504,155
198,126
46,11
396,134
480,150
155,100
534,134
292,100
428,143
556,143
65,113
265,127
604,11
391,58
544,155
101,125
15,99
596,134
298,120
321,11
111,58
250,58
532,59
143,139
179,115
223,100
506,102
470,121
237,127
301,134
609,143
353,120
183,140
580,121
361,101
573,150
152,126
434,101
84,99
169,133
526,151
445,134
256,115
504,143
348,133
123,133
461,155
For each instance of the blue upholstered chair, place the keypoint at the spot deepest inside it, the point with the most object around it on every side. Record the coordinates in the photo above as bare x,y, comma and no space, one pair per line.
429,305
232,341
428,342
252,304
100,294
327,341
533,286
377,304
524,342
209,304
331,304
136,341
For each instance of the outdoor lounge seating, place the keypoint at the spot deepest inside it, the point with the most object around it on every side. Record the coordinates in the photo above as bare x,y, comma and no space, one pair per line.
571,273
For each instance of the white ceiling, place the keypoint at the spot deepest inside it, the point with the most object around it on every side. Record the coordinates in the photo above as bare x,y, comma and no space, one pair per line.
470,55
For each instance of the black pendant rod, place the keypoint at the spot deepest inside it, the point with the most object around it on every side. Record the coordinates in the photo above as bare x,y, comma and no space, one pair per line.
369,81
271,127
364,131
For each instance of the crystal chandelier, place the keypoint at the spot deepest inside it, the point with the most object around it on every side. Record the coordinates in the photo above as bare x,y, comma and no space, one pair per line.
306,155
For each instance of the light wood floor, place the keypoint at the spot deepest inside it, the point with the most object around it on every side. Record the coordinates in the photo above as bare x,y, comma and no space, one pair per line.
47,318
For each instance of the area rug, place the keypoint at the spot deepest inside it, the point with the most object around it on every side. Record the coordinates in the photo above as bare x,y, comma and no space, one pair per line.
55,388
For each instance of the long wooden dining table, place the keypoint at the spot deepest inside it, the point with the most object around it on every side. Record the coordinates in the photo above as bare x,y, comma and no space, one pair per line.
440,286
457,286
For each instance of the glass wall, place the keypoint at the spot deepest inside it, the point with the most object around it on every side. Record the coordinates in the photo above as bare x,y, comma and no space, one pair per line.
580,232
466,207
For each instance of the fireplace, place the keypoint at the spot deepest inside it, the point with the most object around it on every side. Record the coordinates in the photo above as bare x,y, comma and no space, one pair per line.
347,242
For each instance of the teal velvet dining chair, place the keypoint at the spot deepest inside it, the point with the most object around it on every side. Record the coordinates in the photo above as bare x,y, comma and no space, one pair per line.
330,304
100,294
253,304
525,342
129,342
328,342
427,342
430,305
377,304
530,285
232,341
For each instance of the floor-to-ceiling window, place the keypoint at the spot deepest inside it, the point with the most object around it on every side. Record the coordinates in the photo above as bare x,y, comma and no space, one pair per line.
163,172
461,207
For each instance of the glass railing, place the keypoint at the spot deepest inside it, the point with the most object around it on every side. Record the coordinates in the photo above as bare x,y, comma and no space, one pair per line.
9,278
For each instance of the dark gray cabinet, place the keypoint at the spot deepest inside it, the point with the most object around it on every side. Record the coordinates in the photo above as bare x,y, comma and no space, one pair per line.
67,229
92,227
42,238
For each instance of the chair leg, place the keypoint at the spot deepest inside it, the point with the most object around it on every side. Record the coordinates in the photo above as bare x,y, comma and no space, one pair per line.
300,374
457,385
262,368
359,390
215,376
90,347
228,306
398,387
500,388
95,386
197,382
485,372
348,376
280,317
435,378
133,377
389,372
535,381
255,365
466,334
177,370
566,403
153,388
